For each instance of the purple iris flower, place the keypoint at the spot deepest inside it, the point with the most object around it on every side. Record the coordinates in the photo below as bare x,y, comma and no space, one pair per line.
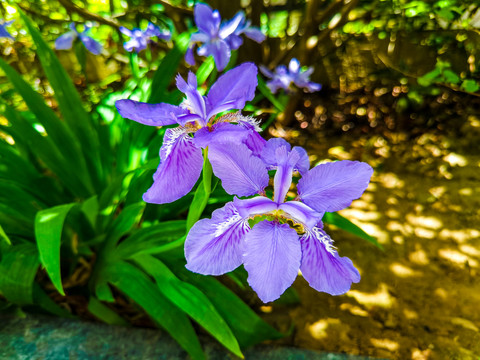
273,239
139,39
65,41
217,38
3,31
283,78
181,158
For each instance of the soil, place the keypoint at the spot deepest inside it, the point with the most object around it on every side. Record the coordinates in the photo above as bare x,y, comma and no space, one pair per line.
419,298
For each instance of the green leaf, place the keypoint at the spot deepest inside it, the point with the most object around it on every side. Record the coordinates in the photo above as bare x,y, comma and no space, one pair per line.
104,313
205,70
128,218
262,87
48,234
24,133
202,193
18,268
345,224
451,77
69,102
61,135
470,85
248,327
4,236
190,300
44,301
151,240
135,284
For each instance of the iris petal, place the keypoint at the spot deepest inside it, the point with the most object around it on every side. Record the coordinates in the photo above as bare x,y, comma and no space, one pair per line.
180,166
235,88
241,172
323,268
149,114
215,246
333,186
65,41
272,258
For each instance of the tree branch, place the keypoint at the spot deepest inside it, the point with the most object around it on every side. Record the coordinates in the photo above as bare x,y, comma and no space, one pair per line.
71,7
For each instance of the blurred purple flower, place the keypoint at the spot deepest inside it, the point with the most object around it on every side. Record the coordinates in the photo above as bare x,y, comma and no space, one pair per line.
286,235
217,38
139,39
282,78
181,155
65,41
3,31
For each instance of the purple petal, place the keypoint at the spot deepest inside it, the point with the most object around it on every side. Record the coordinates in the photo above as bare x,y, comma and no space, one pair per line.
255,142
264,70
269,151
255,34
180,166
333,186
137,44
229,27
190,57
149,114
92,45
294,66
234,88
215,246
221,54
303,164
65,41
282,180
125,31
254,206
206,19
220,133
323,268
199,37
241,172
272,258
301,213
194,99
234,41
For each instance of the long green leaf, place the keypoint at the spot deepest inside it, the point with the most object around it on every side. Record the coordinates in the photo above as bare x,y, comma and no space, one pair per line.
136,285
44,148
69,102
190,300
149,239
345,224
262,87
4,237
48,234
18,268
63,138
202,193
248,327
41,299
104,313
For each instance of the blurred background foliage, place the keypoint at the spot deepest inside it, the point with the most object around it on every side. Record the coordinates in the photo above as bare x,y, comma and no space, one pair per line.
72,171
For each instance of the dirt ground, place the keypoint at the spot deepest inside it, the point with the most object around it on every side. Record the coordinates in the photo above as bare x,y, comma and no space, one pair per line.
420,297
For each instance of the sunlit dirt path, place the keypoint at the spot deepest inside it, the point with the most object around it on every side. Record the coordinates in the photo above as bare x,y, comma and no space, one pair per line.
420,297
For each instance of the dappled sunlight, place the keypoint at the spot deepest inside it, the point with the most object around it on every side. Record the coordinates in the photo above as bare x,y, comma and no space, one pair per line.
404,271
381,297
387,344
457,258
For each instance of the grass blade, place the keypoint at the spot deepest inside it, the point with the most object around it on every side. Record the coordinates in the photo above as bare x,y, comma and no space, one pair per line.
345,224
190,300
135,284
104,313
18,268
69,102
48,234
